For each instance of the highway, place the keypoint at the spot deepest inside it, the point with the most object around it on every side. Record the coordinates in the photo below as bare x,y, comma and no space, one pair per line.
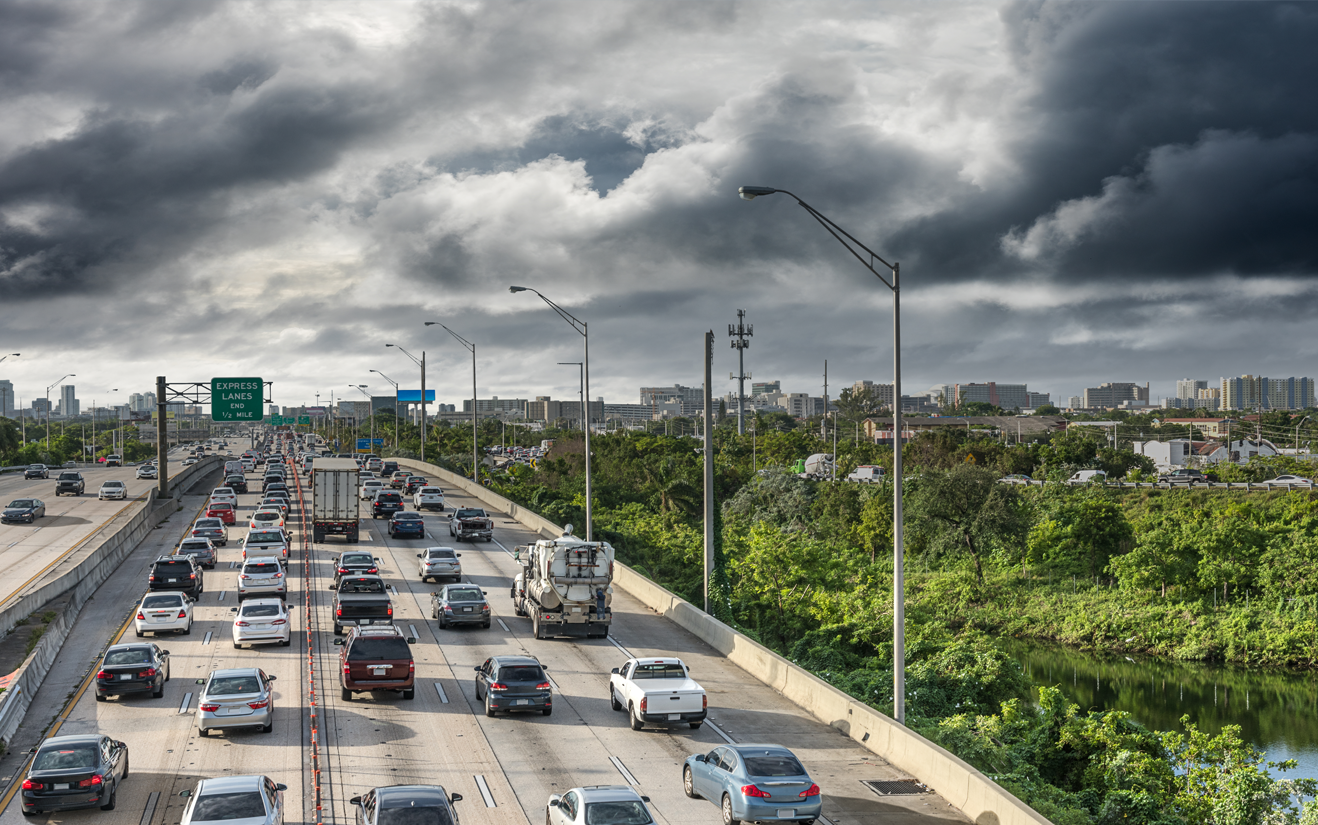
504,767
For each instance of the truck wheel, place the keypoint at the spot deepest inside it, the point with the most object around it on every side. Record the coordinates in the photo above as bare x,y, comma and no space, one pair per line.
535,625
637,724
613,699
696,725
346,695
338,630
409,693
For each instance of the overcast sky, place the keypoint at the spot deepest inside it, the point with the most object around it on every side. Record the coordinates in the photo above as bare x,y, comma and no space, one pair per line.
1077,192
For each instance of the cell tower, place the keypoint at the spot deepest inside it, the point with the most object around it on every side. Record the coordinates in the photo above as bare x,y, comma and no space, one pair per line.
739,332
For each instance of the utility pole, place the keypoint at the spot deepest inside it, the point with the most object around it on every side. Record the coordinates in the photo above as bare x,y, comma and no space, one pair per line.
162,445
709,464
739,332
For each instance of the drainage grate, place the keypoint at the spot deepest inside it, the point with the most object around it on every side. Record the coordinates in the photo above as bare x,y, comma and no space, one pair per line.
890,787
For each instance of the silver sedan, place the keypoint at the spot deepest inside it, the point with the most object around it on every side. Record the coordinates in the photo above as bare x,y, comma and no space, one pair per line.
236,698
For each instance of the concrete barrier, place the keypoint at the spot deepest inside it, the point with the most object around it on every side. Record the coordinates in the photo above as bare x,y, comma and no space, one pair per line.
956,780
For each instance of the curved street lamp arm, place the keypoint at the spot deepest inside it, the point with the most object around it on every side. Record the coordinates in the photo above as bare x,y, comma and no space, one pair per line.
578,325
839,233
469,345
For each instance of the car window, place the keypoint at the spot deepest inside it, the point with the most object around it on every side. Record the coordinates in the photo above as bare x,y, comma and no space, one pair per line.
113,484
470,513
413,816
727,760
69,476
174,567
466,594
386,647
264,536
773,765
361,586
209,522
625,812
218,807
389,498
440,554
356,558
22,502
569,804
233,685
659,671
521,673
168,600
262,568
55,759
194,547
132,656
259,610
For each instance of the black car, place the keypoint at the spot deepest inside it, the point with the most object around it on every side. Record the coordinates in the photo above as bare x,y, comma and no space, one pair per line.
82,771
177,573
236,482
23,510
414,483
406,805
407,524
511,683
36,471
269,486
389,468
139,667
355,563
459,604
386,503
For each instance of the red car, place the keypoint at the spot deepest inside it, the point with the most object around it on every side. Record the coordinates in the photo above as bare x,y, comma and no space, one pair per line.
222,511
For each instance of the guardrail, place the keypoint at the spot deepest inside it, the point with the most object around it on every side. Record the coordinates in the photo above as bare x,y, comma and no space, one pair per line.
1257,486
956,780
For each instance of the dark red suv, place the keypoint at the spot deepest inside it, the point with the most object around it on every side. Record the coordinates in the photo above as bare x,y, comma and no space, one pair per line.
376,657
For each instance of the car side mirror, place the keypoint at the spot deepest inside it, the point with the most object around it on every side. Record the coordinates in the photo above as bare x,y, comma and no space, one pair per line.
457,797
330,588
164,652
338,641
645,799
282,787
201,681
418,555
185,794
553,803
233,610
478,670
700,757
615,670
356,800
411,640
271,678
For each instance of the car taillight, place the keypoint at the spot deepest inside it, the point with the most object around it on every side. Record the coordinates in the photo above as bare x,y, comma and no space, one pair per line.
342,570
498,686
258,705
542,686
151,578
95,779
103,675
373,570
147,674
192,575
280,621
242,624
751,790
391,610
140,616
244,576
338,611
411,667
645,702
813,790
347,669
485,608
279,575
209,708
448,609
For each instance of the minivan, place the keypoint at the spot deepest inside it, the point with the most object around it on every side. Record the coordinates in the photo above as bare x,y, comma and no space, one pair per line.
1086,476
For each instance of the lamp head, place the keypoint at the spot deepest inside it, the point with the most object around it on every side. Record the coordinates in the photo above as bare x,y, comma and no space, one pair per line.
750,193
431,323
388,345
516,289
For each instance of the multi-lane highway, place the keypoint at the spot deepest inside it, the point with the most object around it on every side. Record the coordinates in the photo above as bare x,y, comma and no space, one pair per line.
504,767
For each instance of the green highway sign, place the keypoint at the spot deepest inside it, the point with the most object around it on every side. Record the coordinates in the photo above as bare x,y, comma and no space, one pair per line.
276,421
304,420
237,399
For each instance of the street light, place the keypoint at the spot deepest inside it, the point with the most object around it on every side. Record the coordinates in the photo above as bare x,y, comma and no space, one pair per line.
475,463
48,389
584,330
395,383
1297,435
420,362
361,388
892,282
581,382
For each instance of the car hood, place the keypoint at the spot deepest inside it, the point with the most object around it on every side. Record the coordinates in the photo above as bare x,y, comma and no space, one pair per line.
19,511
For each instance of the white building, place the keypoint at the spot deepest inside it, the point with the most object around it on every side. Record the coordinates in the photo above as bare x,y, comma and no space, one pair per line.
7,403
68,402
1240,452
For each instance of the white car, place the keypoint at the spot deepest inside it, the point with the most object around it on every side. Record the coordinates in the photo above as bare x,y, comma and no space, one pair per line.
147,471
266,541
262,576
266,518
428,498
224,495
1289,481
261,621
658,691
369,488
189,461
160,612
1086,476
597,803
112,489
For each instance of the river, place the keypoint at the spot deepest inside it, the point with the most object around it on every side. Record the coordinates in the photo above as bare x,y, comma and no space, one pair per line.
1277,711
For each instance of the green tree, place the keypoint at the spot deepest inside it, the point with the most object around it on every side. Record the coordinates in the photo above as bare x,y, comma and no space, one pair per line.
965,509
1079,532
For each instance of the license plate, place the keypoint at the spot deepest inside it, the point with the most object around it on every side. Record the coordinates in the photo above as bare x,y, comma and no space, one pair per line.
62,786
123,677
466,610
230,711
786,813
172,581
674,717
522,702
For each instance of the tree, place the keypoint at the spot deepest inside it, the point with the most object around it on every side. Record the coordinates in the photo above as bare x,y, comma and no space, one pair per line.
854,404
966,509
1079,532
1047,409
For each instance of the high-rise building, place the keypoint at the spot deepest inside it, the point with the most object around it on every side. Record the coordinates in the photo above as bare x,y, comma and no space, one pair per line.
1257,392
68,402
40,407
543,409
882,392
1006,396
7,403
1073,402
136,402
1190,387
495,404
1037,399
691,398
766,387
1114,394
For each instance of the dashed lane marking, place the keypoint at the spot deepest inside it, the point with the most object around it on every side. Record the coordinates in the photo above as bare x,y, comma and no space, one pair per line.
485,791
222,592
720,732
613,642
504,626
552,683
443,697
150,809
622,769
207,640
187,700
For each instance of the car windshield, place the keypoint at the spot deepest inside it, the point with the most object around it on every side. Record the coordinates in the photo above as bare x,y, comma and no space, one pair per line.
521,673
257,610
173,568
217,807
465,594
69,476
162,601
357,558
371,649
21,502
413,816
194,547
659,671
390,498
113,484
361,586
132,656
774,764
408,517
57,759
441,554
626,812
471,514
263,568
233,685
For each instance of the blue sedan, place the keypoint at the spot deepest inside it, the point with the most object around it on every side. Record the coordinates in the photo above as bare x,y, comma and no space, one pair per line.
765,783
407,524
23,510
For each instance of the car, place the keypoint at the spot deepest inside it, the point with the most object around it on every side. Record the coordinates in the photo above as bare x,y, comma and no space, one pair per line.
455,604
114,461
471,523
78,771
147,471
224,494
267,541
1288,481
259,621
398,479
355,562
1086,476
236,482
276,502
406,805
404,524
658,691
222,510
71,483
267,517
277,495
414,483
1184,476
213,529
1016,478
428,498
176,573
136,667
439,563
239,697
278,488
249,800
388,468
598,805
376,657
199,548
36,471
375,465
513,683
369,488
386,503
160,612
753,782
189,461
23,510
262,576
112,488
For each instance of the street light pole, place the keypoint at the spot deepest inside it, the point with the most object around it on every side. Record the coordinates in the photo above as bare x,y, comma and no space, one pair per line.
420,362
581,383
1297,435
893,281
396,419
584,330
475,450
361,388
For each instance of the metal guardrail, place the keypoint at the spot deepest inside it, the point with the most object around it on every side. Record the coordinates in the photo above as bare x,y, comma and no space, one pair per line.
1256,486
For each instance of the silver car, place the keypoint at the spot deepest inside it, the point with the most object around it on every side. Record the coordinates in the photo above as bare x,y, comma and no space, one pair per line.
439,563
240,697
262,576
235,800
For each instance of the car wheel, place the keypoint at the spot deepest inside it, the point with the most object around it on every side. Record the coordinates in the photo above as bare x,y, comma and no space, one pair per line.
489,709
100,698
187,631
486,625
114,792
26,812
409,693
696,725
443,623
346,695
237,646
547,711
286,642
138,632
156,694
613,699
636,721
728,818
167,673
268,727
203,732
689,784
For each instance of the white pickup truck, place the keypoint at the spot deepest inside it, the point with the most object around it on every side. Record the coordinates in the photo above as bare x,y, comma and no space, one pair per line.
658,691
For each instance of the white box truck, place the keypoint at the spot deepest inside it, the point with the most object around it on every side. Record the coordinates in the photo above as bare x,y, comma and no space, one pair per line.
334,499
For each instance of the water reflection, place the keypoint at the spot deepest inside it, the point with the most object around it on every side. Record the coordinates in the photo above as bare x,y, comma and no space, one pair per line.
1277,711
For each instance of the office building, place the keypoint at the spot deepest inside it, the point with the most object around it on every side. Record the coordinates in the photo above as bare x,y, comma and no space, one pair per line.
40,407
1114,394
68,402
628,412
7,403
1256,392
571,410
1188,388
383,403
882,392
1006,396
766,387
509,406
691,398
1073,402
543,408
1035,400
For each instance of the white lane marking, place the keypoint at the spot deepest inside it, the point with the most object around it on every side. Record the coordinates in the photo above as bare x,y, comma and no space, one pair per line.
187,700
620,647
622,769
364,536
150,809
233,564
412,628
222,592
207,640
720,732
501,547
552,683
504,626
485,791
443,697
393,590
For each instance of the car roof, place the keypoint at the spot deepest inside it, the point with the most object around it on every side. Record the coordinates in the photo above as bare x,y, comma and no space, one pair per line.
223,784
607,793
235,671
172,559
393,796
515,660
752,749
379,630
272,600
130,645
261,560
72,739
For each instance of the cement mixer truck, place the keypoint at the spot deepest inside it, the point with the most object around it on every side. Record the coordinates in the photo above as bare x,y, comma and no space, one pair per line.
565,586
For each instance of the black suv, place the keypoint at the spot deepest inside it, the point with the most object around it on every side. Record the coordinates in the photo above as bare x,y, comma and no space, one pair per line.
386,503
511,683
237,483
36,471
177,573
70,482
